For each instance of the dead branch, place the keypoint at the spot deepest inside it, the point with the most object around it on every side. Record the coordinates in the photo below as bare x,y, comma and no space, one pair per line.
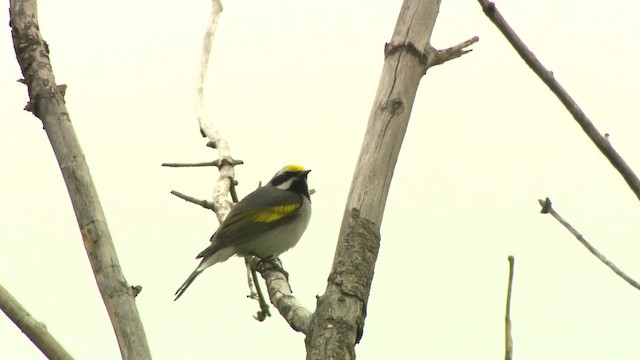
548,209
296,315
204,203
225,184
215,163
47,103
601,142
338,322
508,337
36,331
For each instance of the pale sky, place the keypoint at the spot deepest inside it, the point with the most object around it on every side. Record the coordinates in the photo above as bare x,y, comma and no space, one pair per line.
293,82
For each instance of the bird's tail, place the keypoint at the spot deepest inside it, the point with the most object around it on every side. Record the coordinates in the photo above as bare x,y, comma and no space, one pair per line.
188,282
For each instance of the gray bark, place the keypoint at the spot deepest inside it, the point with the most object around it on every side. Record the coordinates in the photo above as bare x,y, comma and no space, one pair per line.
47,103
338,322
36,331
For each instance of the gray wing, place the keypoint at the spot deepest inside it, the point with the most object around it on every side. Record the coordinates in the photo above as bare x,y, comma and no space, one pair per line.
244,221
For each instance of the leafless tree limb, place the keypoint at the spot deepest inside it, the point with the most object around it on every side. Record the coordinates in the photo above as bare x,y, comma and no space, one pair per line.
47,103
35,331
338,322
215,163
204,203
548,209
296,315
454,52
601,142
225,161
225,184
200,164
508,337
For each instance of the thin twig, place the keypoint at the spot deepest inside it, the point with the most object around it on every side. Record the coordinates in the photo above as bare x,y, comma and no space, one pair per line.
508,338
200,164
35,331
548,209
264,307
601,142
441,56
204,203
215,163
253,294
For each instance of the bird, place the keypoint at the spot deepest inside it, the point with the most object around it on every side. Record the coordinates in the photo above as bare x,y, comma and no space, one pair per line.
264,224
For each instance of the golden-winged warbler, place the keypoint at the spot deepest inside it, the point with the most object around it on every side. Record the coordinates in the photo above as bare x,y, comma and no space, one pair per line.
264,224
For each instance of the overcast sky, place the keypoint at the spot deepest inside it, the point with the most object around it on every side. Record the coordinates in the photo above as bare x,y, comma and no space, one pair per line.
293,82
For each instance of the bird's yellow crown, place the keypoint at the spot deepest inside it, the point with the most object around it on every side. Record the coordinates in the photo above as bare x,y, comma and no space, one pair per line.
293,167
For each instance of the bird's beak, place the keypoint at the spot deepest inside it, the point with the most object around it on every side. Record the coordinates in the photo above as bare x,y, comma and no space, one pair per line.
305,173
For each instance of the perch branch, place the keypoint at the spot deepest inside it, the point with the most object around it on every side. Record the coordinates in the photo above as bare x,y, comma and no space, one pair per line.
35,331
601,142
548,209
508,338
47,103
296,315
225,183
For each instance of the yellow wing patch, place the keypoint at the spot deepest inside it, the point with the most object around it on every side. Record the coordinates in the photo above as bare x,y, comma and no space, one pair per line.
293,167
274,213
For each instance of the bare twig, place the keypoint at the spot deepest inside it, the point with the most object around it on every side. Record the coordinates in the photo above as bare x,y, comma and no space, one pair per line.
47,103
548,209
200,164
444,55
35,331
601,142
204,203
264,311
508,338
215,163
253,293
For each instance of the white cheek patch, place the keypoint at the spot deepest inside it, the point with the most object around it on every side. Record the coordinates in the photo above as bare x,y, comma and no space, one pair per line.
287,184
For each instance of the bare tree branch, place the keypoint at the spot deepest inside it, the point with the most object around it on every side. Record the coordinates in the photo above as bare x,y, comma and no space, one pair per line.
508,337
454,52
200,164
601,142
204,203
296,315
279,291
47,103
215,163
35,331
225,161
548,209
338,322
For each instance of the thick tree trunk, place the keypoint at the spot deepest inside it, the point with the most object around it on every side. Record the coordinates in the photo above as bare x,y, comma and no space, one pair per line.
338,323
